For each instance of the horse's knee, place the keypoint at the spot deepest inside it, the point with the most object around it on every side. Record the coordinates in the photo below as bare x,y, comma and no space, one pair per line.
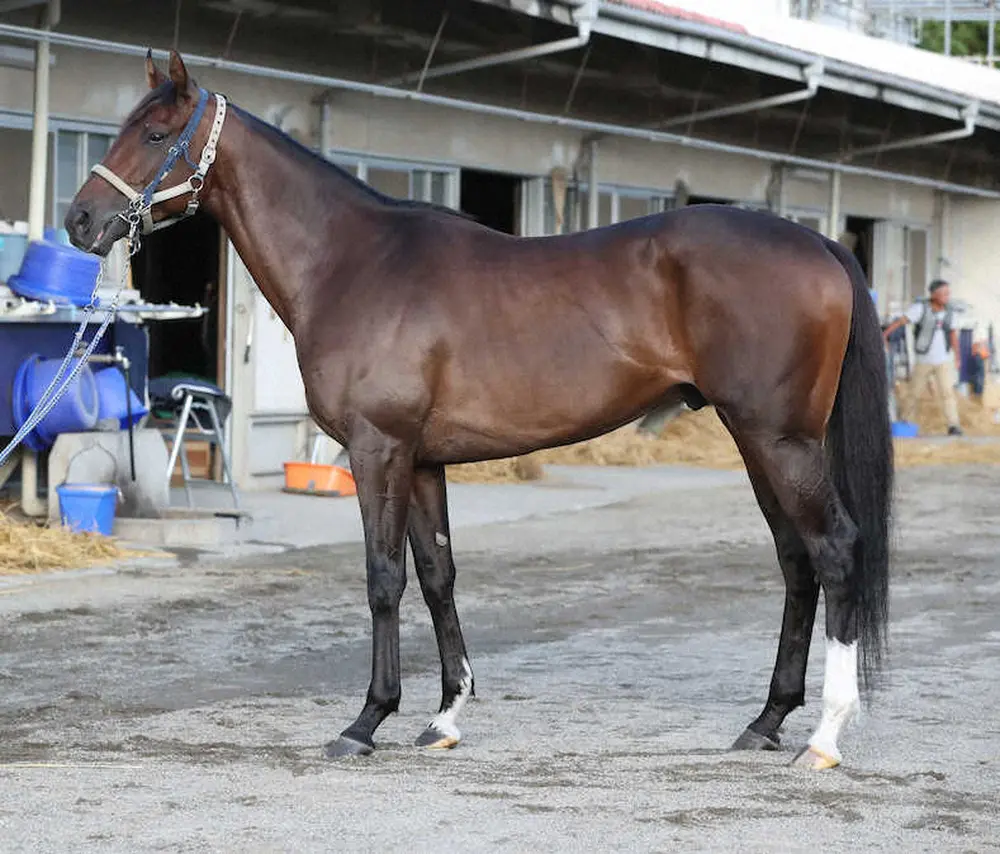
386,583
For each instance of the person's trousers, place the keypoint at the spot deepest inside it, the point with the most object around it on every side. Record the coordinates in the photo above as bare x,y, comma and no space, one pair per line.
944,378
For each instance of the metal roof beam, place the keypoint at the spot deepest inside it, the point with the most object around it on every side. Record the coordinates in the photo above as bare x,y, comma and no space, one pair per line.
477,107
584,16
813,75
965,132
15,5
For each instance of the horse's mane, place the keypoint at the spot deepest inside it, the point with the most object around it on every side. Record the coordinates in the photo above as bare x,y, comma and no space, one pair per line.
298,151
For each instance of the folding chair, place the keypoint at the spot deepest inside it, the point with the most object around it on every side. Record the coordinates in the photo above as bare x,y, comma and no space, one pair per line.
200,409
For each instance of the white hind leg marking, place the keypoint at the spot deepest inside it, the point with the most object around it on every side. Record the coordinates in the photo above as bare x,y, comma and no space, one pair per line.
840,698
443,723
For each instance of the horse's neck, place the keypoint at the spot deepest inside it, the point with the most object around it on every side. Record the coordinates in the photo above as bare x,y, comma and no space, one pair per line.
289,219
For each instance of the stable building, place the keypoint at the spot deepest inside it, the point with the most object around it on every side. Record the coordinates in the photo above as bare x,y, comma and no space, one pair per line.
538,117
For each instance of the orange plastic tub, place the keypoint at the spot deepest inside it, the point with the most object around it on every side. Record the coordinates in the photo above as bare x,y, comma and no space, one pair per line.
316,479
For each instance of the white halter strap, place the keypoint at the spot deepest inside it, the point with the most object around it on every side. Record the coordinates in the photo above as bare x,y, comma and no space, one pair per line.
138,206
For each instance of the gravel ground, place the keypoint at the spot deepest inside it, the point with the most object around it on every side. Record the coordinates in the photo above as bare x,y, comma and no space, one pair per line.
619,649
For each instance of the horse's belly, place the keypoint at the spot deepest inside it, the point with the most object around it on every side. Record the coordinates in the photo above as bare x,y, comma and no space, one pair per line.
497,420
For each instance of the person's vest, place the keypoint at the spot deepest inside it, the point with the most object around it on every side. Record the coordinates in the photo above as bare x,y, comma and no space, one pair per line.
925,327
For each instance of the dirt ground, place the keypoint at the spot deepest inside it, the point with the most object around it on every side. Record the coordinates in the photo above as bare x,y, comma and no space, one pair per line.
618,651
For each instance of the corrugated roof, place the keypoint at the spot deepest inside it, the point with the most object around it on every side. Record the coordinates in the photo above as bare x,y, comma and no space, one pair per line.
861,51
667,11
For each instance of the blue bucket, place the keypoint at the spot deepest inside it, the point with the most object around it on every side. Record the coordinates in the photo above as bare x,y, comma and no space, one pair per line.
905,429
111,394
88,507
52,271
75,412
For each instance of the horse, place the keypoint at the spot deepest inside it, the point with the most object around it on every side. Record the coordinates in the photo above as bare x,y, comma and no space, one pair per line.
426,339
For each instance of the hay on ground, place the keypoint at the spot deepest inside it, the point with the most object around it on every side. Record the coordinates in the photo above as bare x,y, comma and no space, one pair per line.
975,418
700,439
27,547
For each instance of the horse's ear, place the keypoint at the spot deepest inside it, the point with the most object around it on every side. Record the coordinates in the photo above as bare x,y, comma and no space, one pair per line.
179,74
153,74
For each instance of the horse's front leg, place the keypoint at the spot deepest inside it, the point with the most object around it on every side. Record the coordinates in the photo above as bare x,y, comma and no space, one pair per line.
430,538
383,471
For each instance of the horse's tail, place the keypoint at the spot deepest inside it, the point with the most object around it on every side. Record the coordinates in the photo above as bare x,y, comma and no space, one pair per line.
860,453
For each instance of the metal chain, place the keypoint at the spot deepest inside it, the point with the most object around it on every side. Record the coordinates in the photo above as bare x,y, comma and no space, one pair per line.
46,404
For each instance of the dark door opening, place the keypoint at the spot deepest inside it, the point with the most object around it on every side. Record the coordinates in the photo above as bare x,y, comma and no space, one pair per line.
860,238
709,200
180,264
491,197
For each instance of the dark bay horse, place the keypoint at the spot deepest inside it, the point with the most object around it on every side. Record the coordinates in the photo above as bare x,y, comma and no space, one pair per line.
425,339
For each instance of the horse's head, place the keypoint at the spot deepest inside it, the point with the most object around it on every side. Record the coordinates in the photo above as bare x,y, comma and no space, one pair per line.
112,197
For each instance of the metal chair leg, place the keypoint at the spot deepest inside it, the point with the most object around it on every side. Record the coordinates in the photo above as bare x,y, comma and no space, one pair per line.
186,470
178,449
179,438
221,439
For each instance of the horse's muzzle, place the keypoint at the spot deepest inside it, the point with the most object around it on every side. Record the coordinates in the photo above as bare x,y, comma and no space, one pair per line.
92,231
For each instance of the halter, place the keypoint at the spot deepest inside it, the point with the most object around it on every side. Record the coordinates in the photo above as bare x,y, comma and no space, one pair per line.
140,206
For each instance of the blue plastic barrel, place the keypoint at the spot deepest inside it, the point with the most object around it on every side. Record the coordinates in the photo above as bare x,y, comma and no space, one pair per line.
111,396
905,430
75,412
52,271
88,507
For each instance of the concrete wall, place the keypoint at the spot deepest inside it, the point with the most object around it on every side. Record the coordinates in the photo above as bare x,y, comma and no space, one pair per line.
15,150
972,229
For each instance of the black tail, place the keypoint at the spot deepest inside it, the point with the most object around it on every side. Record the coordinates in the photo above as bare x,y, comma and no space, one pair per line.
860,452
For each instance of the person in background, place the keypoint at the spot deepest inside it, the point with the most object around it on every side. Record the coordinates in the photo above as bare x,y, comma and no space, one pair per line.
935,343
979,359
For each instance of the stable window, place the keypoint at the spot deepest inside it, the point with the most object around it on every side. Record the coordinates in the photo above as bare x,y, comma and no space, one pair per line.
615,204
403,180
75,152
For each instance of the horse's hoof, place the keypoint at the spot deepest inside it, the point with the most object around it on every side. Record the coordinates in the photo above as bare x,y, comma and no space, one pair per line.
815,760
751,740
435,738
345,746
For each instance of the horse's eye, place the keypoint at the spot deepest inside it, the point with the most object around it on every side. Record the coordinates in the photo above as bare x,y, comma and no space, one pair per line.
156,137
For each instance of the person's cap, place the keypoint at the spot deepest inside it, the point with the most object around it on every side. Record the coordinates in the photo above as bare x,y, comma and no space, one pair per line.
937,283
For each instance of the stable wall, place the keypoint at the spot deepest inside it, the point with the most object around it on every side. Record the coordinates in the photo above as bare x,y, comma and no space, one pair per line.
269,413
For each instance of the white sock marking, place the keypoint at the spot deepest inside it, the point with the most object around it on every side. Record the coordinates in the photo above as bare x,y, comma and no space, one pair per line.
840,695
444,721
441,539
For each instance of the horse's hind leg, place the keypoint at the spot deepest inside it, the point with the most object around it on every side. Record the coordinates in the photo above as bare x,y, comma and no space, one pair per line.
430,539
795,468
788,681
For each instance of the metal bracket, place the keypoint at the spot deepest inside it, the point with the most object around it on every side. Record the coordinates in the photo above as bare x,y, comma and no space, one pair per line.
813,75
969,114
584,17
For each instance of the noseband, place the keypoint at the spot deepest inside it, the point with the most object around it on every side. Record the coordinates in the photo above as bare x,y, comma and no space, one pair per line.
140,206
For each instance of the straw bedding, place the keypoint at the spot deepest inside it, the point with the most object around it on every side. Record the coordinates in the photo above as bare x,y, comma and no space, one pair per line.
28,547
699,439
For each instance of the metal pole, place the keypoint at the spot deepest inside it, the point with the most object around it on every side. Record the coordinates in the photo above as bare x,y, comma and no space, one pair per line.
40,129
833,215
991,35
947,27
593,196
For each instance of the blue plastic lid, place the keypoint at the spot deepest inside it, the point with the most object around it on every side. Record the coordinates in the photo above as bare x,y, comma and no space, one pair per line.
53,271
